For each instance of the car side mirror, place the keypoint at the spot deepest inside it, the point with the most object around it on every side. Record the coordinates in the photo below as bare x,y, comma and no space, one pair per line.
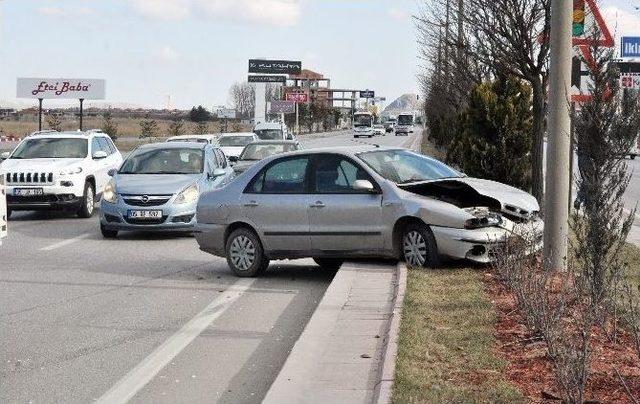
364,185
99,155
5,155
217,172
112,172
233,159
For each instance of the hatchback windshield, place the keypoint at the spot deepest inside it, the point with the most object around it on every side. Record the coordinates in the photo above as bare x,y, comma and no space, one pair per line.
404,167
46,148
260,151
164,161
237,141
269,134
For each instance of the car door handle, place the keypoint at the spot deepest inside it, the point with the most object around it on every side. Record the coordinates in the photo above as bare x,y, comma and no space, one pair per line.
251,204
318,205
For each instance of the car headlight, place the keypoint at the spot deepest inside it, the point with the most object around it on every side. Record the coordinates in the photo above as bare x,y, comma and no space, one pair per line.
71,171
480,222
188,195
109,193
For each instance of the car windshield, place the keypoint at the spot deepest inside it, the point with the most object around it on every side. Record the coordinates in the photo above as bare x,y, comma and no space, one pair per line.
405,120
269,134
47,148
260,151
164,161
405,167
235,141
362,120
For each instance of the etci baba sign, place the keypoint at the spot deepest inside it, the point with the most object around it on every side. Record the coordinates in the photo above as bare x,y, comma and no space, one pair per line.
87,89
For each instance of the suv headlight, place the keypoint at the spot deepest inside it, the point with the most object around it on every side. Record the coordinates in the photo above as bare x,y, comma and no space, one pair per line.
71,171
188,195
109,193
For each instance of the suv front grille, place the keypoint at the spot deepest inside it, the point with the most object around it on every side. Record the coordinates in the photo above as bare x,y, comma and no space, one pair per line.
146,200
29,178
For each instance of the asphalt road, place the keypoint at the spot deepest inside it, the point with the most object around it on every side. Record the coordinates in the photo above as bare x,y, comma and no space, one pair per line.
144,317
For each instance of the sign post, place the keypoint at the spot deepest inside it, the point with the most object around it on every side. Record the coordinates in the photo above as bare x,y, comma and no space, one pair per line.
60,89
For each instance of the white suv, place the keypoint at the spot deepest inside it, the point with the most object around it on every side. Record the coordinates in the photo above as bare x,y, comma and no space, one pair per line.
59,170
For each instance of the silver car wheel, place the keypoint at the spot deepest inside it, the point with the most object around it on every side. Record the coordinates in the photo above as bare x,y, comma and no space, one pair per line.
242,253
415,249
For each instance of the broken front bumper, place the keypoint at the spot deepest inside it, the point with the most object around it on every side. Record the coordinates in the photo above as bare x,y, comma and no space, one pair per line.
485,244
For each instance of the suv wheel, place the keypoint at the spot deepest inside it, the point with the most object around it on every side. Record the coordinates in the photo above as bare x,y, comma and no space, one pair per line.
329,263
108,233
87,204
419,247
245,255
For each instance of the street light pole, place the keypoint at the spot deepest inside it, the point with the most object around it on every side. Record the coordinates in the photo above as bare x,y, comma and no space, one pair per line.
556,231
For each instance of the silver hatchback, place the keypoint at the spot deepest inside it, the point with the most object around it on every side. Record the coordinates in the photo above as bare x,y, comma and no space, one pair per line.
332,204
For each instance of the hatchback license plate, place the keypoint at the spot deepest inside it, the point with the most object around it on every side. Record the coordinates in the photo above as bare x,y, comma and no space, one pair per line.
145,214
28,191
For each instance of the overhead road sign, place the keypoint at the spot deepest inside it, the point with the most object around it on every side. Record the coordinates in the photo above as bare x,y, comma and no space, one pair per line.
60,88
367,94
267,79
282,107
630,47
275,66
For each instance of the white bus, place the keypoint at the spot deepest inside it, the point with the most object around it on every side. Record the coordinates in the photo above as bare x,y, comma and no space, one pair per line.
363,124
404,126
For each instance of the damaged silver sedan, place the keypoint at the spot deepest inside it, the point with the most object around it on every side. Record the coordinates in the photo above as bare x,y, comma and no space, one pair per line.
338,203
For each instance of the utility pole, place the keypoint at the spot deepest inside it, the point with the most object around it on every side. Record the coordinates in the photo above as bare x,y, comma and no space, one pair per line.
556,230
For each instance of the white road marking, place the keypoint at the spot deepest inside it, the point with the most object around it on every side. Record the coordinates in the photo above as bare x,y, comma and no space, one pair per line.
138,377
65,242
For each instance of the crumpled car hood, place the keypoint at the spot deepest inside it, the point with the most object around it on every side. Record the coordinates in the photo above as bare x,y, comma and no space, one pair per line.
505,194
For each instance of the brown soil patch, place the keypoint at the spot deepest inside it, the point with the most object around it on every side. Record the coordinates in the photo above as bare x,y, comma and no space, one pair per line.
531,371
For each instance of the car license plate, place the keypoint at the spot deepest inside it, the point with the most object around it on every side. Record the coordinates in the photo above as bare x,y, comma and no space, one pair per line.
27,191
145,214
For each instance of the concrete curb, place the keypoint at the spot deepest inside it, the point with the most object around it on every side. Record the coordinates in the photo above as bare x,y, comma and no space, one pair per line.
384,389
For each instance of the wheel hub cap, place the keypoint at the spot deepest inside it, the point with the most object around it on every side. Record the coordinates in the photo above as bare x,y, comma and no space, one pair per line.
242,253
415,249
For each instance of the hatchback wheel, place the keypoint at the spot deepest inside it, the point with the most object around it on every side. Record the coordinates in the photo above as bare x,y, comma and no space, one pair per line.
329,263
245,255
419,247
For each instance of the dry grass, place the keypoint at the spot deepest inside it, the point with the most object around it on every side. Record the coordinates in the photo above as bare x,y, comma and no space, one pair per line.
127,127
446,348
429,149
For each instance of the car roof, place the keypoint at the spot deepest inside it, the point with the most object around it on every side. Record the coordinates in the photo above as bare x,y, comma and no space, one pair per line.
238,134
275,142
204,136
345,150
63,134
173,145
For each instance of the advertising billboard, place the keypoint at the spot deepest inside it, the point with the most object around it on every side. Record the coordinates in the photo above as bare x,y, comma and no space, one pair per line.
61,88
282,107
274,66
267,79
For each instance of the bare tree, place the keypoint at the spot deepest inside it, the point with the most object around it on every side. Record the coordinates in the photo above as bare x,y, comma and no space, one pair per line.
243,97
109,126
148,128
54,122
176,128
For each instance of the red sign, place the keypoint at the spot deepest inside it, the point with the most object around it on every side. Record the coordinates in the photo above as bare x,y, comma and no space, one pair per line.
297,97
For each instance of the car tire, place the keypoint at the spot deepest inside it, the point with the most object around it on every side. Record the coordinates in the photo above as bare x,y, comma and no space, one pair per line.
9,212
418,247
108,233
633,157
245,255
329,263
87,204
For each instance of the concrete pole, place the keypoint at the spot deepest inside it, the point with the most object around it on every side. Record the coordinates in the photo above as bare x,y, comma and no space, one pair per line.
556,231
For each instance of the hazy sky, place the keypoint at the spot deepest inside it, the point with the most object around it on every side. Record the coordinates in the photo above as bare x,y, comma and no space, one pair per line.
194,50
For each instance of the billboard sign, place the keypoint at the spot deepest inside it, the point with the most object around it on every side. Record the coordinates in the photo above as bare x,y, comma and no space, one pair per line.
630,81
630,47
282,107
226,113
297,97
267,79
87,89
274,66
367,94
